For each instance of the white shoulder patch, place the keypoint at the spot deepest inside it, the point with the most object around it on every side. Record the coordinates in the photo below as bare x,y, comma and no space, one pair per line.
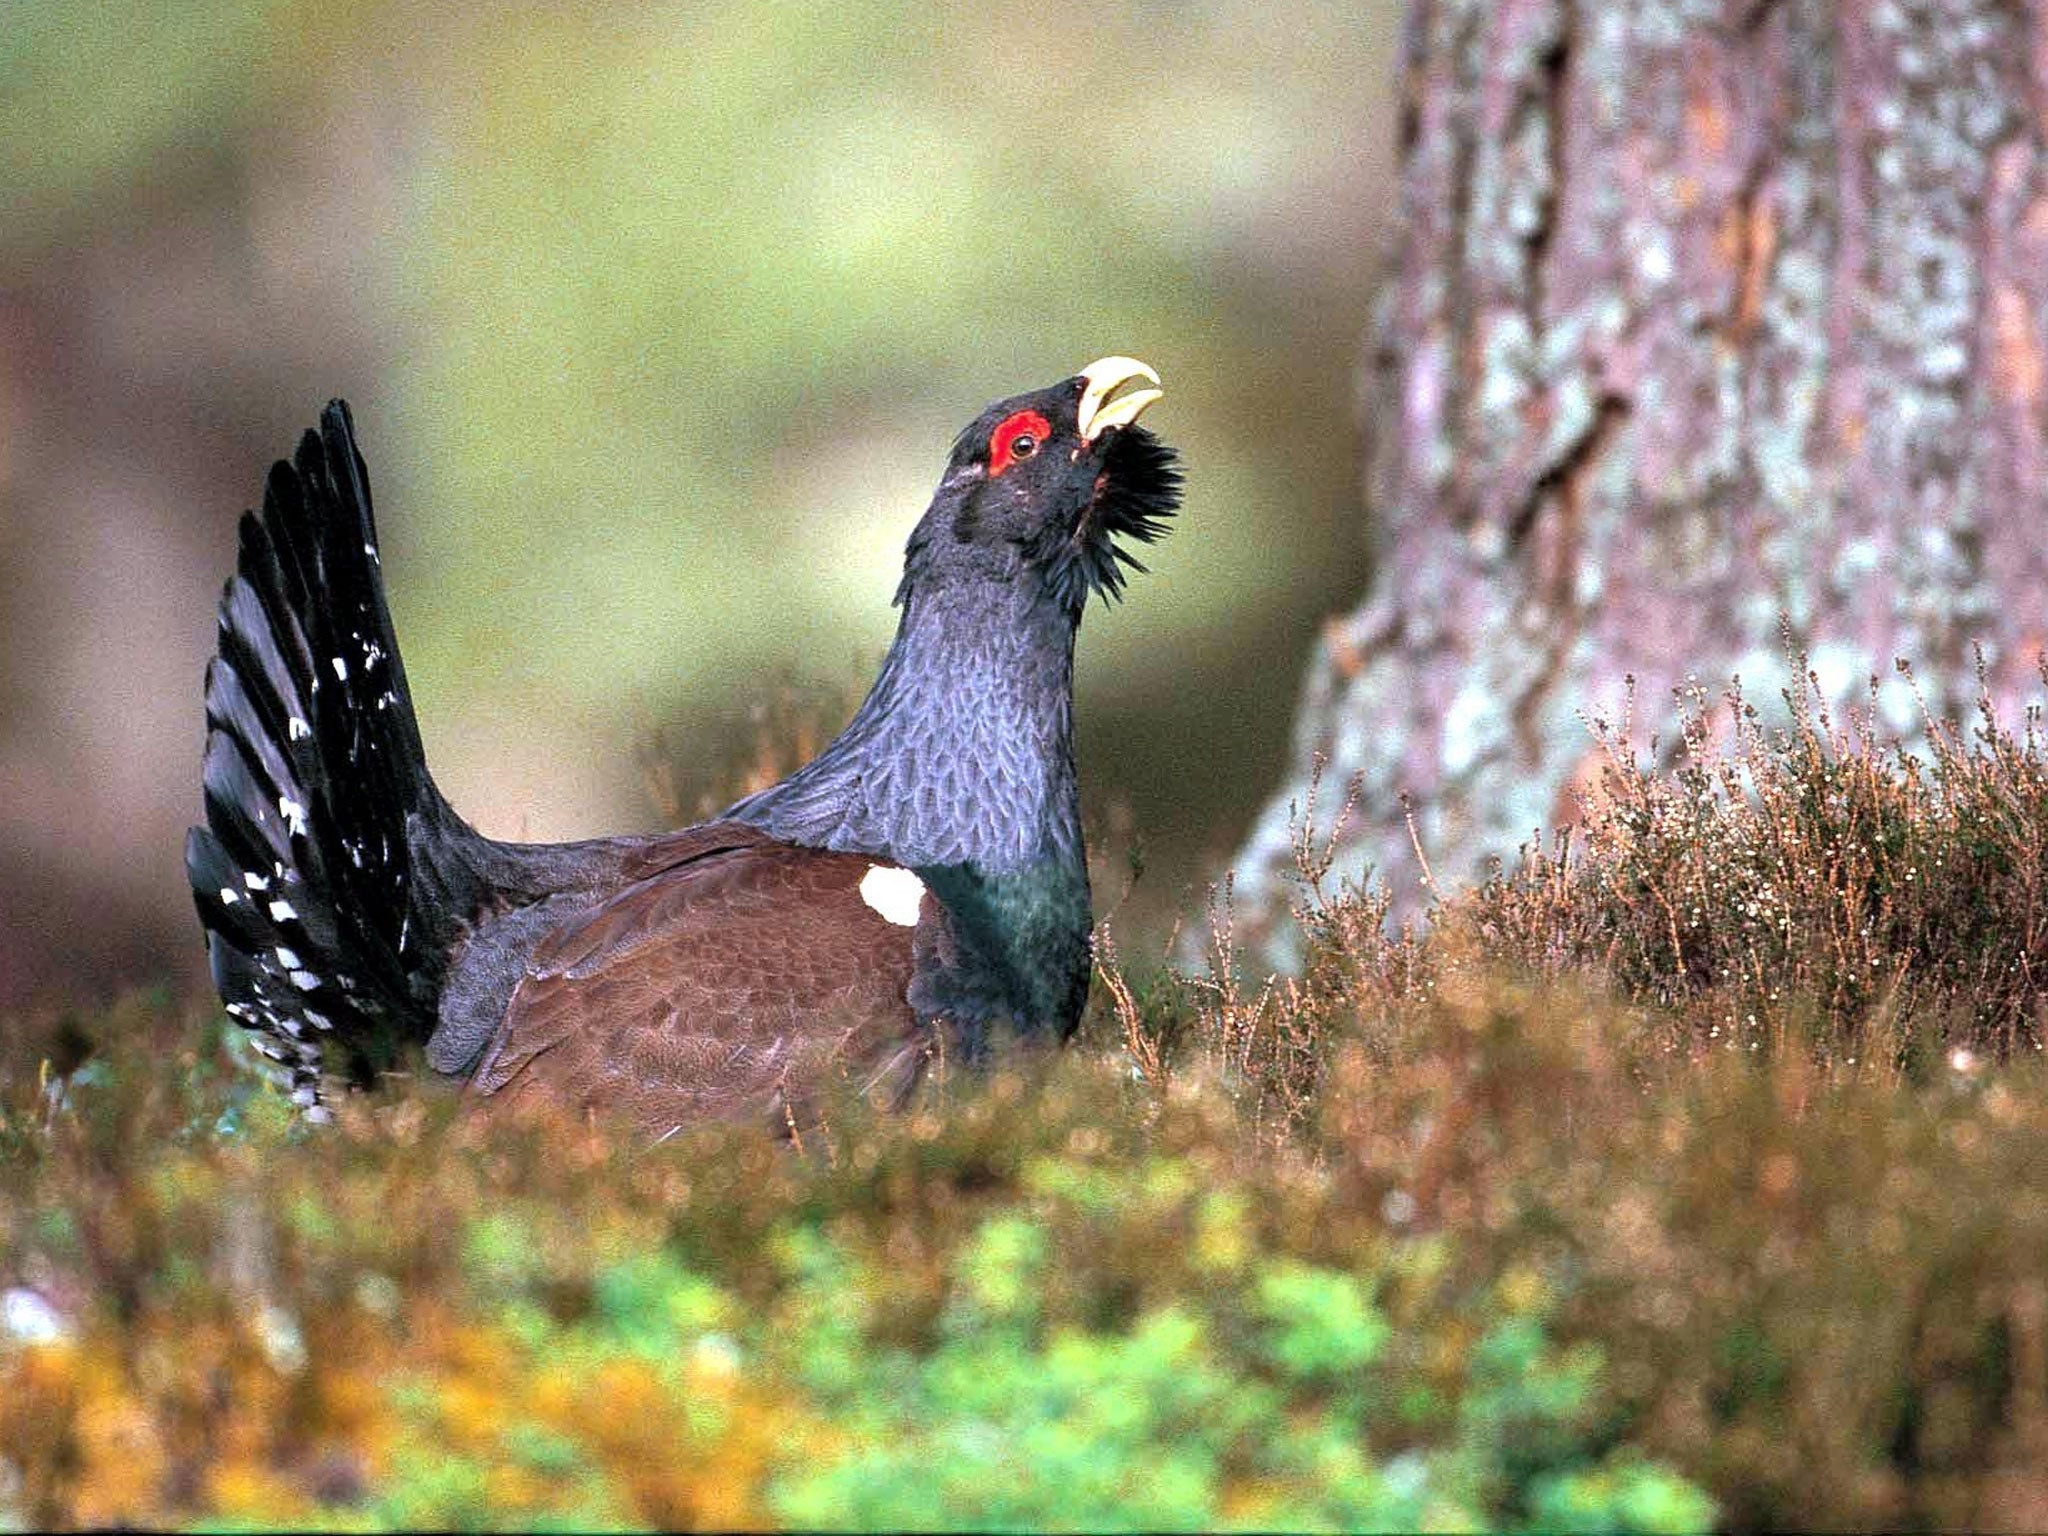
894,893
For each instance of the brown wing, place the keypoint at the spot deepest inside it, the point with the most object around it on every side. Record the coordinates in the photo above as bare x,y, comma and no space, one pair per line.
727,985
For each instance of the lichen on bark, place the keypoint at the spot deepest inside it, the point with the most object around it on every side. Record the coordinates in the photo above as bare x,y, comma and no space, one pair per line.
1705,321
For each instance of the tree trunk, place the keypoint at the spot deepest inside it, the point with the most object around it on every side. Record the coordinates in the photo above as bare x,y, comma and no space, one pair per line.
1704,320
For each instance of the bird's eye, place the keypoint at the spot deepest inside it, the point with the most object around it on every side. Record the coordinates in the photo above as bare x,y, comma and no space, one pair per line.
1017,438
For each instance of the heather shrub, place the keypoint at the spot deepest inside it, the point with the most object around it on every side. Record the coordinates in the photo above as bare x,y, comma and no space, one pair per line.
1803,880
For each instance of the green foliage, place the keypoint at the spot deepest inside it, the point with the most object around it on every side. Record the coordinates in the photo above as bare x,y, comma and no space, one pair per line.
1319,1322
1622,1496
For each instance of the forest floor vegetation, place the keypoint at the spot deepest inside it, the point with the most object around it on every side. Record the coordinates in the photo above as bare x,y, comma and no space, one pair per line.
1687,1171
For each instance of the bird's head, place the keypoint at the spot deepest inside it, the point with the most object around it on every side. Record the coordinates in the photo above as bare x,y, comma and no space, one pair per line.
1046,487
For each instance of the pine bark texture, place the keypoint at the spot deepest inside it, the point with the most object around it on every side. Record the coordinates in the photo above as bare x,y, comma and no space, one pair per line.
1703,319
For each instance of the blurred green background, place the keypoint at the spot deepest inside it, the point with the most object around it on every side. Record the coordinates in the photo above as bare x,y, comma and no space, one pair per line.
658,321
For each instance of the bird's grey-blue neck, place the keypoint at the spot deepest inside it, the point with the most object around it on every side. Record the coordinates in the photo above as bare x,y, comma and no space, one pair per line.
963,752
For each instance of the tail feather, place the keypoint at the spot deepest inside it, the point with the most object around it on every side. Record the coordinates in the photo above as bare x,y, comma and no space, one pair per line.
322,822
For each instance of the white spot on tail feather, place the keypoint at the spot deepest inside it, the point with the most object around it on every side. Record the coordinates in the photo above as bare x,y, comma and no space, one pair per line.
229,895
895,893
294,814
281,910
297,729
341,668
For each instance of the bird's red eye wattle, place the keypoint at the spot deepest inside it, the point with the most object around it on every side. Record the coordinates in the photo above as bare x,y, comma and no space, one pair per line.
1019,436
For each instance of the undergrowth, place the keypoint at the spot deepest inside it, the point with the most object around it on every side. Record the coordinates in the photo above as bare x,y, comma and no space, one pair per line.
1686,1171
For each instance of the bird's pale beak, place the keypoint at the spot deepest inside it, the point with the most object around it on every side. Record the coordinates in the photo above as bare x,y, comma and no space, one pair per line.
1098,413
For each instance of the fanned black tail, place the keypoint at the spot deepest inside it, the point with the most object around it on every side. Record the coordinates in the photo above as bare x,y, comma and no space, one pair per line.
315,874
